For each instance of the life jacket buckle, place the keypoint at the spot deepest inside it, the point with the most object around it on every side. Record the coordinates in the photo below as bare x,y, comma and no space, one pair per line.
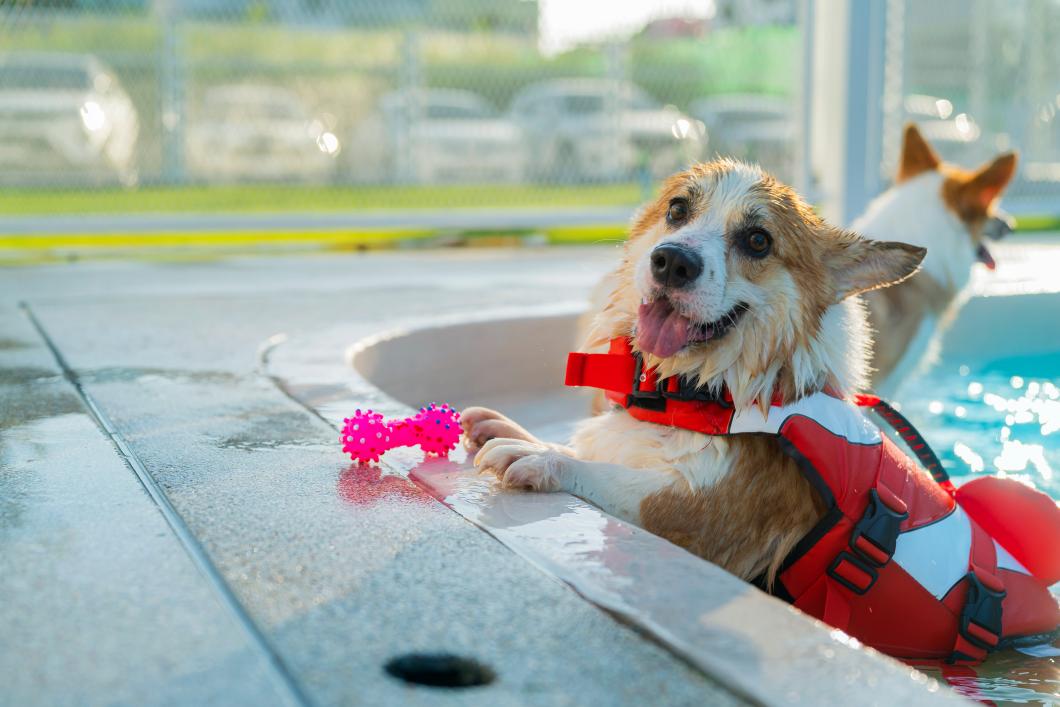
981,616
853,572
875,536
648,399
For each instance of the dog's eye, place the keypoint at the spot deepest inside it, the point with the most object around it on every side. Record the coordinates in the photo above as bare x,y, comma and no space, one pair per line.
757,243
678,212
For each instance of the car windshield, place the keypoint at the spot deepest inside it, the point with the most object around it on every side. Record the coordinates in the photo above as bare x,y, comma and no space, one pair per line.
452,111
583,104
230,106
36,77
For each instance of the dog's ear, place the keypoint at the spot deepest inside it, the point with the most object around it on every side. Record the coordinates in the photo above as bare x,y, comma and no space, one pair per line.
980,191
917,155
858,264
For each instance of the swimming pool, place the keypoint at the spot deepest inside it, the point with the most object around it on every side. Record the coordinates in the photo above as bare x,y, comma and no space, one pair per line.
1001,358
991,405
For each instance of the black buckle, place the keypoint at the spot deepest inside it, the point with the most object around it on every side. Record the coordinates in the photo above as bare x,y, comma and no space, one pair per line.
982,606
647,399
880,525
858,562
686,393
656,399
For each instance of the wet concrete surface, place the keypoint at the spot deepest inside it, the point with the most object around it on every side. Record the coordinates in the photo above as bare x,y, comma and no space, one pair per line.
99,604
340,568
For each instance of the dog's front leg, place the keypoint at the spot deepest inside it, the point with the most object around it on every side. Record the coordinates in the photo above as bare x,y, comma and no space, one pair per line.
613,488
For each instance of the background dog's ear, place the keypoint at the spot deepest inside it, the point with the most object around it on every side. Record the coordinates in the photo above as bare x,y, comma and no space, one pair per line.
859,264
988,183
917,155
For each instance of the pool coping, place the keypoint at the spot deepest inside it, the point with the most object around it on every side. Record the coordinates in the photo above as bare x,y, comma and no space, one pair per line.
761,649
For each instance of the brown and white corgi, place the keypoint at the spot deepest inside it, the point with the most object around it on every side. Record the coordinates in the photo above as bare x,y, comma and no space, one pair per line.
730,280
950,211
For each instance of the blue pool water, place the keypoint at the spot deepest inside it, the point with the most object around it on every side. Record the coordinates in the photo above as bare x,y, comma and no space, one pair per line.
993,420
999,416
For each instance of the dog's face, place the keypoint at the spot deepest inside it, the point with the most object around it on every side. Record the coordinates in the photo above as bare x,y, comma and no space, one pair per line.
971,195
729,272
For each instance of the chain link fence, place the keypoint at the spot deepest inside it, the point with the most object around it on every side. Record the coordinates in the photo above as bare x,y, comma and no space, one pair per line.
981,77
455,100
214,104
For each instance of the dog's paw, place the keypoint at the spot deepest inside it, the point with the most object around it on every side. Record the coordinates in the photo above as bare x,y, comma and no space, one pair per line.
480,425
521,464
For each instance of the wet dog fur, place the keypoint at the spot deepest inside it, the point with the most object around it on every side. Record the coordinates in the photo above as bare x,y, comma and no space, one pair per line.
739,502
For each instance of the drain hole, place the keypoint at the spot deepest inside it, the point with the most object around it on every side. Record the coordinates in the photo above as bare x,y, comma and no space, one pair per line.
440,670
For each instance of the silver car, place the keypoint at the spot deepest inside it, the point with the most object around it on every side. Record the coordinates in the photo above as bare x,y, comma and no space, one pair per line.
64,118
602,130
259,132
751,127
449,135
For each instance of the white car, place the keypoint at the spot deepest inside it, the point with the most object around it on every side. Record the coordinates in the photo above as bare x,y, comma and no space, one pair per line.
448,135
602,130
64,118
258,132
751,127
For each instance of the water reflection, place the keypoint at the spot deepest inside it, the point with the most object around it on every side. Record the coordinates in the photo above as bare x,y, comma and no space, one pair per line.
993,423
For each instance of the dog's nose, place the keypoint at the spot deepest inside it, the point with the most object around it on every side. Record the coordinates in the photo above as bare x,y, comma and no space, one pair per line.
675,266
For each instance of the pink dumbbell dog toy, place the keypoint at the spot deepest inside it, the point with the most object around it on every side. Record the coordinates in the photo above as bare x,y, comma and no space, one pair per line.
366,435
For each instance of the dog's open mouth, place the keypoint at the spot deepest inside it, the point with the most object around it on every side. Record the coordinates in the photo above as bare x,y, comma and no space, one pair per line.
663,331
983,256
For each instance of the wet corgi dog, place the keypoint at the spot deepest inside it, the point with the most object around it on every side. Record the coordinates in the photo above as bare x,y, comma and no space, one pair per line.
953,213
730,281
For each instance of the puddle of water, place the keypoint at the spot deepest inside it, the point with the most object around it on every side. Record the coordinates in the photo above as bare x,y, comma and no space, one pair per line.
12,344
127,375
35,400
366,485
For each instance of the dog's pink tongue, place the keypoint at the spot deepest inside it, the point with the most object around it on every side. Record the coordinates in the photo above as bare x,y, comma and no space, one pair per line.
660,329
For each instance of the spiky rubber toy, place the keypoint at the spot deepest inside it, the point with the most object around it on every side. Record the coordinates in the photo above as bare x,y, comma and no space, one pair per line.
366,436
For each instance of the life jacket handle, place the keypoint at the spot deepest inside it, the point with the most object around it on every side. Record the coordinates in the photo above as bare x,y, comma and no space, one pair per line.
909,434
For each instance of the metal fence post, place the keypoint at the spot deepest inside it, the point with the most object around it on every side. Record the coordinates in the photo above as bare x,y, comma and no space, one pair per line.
411,106
171,88
847,114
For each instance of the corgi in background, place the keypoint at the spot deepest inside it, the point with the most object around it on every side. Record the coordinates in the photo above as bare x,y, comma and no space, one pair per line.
953,213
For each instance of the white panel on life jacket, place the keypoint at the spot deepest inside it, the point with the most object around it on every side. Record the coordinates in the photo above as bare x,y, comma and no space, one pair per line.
837,416
936,555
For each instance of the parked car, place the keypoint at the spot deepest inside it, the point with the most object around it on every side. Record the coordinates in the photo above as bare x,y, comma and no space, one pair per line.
64,117
258,132
601,130
751,127
444,135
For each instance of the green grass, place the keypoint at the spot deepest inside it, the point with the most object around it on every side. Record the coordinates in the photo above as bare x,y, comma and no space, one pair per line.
266,198
1045,222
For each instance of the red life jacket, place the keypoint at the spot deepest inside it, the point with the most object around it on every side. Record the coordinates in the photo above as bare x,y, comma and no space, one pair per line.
904,562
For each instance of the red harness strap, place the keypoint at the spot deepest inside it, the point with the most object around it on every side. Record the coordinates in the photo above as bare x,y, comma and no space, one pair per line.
621,374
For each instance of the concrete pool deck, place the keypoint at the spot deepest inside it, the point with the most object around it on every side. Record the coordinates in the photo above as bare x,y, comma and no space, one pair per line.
174,529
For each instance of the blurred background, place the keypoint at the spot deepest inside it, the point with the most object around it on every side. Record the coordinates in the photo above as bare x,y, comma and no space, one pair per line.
310,106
